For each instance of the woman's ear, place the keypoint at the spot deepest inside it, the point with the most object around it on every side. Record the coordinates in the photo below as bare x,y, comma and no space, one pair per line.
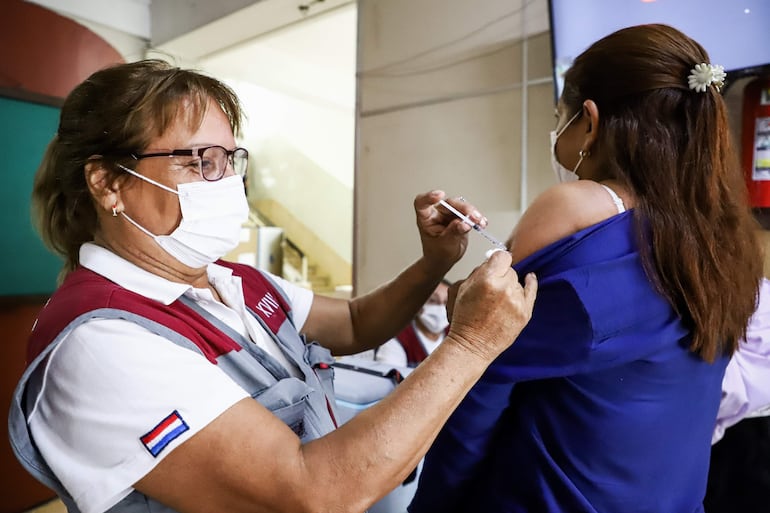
105,192
591,113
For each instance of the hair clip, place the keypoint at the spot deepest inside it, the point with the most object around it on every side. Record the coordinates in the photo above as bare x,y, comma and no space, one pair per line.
704,75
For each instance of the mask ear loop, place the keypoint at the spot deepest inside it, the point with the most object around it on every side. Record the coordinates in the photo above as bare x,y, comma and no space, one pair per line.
150,180
568,123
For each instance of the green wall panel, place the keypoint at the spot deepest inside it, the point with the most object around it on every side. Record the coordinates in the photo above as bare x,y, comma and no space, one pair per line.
26,266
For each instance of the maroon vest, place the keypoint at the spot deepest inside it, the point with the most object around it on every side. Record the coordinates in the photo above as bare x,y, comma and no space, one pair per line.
84,291
85,295
415,351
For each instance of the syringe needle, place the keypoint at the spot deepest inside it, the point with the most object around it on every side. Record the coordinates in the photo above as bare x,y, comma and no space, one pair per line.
467,220
491,239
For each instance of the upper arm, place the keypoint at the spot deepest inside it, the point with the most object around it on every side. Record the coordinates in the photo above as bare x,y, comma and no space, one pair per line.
244,460
560,211
746,384
330,323
107,385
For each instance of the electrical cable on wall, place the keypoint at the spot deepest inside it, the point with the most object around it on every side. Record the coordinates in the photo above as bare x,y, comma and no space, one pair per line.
436,67
305,8
379,71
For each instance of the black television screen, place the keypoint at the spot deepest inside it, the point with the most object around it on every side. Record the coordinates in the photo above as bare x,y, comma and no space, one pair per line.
735,33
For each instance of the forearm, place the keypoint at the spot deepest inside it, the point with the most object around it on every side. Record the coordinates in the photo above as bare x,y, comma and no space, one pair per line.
248,460
376,450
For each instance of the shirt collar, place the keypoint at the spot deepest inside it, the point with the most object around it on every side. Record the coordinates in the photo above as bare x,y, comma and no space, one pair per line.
132,277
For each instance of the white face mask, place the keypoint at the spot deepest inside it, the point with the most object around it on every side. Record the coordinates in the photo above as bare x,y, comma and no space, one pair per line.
434,318
212,215
562,173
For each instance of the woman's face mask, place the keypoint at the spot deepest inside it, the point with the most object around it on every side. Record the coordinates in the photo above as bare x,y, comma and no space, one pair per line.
562,173
212,215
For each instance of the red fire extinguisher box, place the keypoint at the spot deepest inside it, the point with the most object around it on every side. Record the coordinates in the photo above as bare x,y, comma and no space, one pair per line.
755,142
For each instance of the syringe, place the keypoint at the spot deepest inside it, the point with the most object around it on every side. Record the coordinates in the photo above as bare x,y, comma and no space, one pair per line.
475,226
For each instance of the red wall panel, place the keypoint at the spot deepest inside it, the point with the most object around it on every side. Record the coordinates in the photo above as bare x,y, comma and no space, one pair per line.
43,56
46,54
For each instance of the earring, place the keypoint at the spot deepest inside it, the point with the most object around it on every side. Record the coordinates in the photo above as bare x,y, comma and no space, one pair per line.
584,153
115,210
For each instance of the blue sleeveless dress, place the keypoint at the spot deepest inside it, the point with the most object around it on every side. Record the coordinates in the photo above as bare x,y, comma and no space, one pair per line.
597,407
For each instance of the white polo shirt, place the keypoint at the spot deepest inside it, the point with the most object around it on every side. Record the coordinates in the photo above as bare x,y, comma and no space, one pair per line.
393,353
110,384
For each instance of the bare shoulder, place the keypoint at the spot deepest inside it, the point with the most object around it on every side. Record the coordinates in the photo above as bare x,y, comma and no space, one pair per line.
560,211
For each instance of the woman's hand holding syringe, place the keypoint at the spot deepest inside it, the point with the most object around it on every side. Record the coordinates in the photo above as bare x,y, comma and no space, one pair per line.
495,242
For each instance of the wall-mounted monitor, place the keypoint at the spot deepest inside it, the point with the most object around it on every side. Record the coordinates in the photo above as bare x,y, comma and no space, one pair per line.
735,33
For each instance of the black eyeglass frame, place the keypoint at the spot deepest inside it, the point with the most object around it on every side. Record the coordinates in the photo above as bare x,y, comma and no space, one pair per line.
198,152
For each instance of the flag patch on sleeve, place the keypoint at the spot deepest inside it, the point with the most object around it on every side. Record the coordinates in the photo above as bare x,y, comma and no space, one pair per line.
164,433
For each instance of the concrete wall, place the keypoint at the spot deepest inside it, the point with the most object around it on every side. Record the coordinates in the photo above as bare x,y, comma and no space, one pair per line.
299,97
452,95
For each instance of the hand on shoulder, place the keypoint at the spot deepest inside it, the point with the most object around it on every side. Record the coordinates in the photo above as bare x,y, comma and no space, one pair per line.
560,211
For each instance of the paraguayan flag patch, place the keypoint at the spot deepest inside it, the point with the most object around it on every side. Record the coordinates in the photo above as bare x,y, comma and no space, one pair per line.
164,433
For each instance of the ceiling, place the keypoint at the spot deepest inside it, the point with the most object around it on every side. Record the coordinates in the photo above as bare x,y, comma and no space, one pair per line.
279,44
315,59
192,29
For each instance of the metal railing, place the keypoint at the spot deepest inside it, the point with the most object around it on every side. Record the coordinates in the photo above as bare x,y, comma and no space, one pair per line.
295,263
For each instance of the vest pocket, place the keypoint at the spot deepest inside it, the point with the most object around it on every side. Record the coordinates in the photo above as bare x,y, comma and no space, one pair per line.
321,361
288,400
294,417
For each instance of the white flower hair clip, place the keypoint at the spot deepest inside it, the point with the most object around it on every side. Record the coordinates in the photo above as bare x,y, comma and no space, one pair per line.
703,75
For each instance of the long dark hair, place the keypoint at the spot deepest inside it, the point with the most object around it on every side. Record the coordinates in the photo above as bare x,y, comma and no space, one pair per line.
672,147
115,111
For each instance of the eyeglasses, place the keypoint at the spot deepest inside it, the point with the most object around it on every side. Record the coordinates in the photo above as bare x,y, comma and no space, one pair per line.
212,160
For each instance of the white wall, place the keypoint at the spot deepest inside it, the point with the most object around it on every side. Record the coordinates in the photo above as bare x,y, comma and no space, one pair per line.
297,85
294,71
453,95
302,158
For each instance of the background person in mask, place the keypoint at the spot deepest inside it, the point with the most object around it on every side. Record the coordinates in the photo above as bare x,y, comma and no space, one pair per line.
420,337
162,379
648,266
